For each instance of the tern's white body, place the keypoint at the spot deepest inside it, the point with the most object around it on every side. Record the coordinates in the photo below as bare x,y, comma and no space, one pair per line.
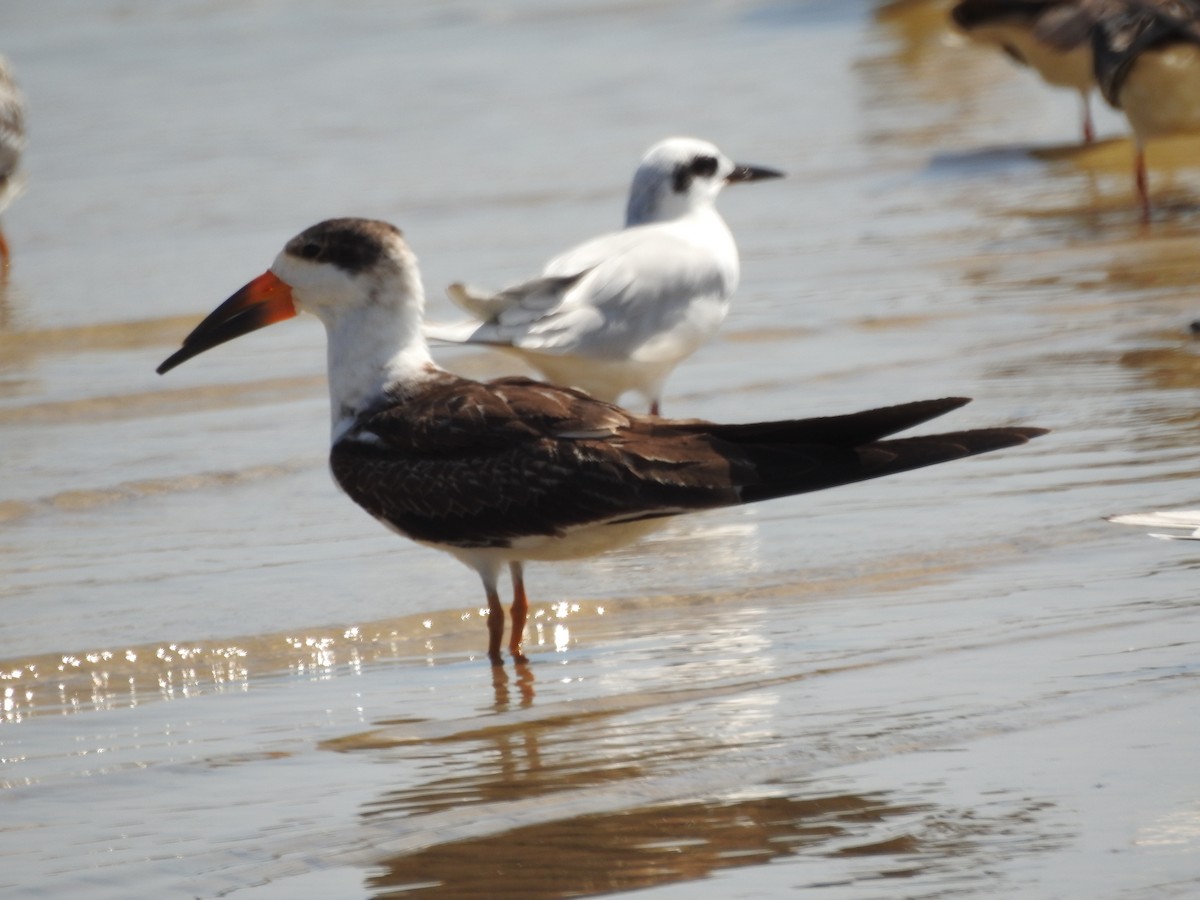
650,297
619,312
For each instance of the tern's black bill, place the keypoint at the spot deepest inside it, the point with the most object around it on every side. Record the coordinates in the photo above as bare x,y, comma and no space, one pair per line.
751,173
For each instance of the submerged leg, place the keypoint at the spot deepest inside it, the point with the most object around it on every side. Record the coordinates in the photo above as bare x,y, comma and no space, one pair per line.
3,251
520,611
1089,130
654,407
1141,182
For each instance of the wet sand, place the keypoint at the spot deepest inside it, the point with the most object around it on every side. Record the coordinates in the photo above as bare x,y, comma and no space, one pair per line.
220,678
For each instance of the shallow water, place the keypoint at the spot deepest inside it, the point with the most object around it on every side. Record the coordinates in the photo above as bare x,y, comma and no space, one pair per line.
221,679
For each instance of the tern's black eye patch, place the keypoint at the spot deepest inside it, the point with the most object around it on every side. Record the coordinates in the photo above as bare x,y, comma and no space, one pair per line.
700,166
310,250
704,166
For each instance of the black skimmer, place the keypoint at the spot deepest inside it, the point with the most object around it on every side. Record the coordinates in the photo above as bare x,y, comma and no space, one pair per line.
1182,524
1053,37
12,139
502,472
619,312
1148,66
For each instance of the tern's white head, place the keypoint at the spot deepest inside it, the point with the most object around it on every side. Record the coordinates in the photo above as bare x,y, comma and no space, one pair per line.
360,278
680,175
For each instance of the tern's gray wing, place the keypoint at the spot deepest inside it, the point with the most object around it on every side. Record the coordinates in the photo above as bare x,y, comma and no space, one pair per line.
633,288
531,298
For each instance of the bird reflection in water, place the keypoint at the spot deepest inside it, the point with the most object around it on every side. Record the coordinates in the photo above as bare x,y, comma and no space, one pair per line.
504,690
